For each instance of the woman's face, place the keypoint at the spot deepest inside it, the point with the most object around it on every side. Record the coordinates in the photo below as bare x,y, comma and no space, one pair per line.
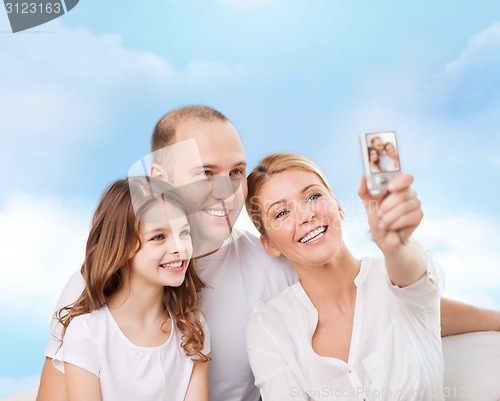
301,218
373,156
390,149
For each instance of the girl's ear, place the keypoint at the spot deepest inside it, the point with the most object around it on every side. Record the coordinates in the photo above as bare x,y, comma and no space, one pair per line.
269,247
134,250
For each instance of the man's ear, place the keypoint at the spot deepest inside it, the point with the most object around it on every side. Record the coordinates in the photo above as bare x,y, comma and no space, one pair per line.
157,171
269,247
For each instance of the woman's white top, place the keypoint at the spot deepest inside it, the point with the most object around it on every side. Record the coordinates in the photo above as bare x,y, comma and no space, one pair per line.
395,351
127,372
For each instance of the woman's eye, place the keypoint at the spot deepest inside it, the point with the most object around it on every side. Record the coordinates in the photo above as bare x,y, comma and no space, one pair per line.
281,214
158,237
205,173
313,197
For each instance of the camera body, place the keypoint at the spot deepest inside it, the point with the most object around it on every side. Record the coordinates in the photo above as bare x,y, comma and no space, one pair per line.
380,156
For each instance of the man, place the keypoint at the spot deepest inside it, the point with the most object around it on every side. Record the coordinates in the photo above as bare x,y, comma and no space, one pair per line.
385,161
200,146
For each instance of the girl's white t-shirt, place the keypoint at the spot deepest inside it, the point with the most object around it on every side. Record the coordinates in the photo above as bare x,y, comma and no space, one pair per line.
127,372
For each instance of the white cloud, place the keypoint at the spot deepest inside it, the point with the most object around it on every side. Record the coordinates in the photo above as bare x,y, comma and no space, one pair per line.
67,87
466,246
480,56
42,243
468,86
9,385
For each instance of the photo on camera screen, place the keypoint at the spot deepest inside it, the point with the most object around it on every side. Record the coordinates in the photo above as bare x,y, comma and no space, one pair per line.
383,154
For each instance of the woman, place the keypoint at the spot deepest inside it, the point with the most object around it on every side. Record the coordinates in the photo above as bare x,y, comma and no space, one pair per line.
393,161
350,329
135,333
374,160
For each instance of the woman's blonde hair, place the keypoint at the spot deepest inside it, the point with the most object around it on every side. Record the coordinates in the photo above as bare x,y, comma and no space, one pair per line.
274,164
112,242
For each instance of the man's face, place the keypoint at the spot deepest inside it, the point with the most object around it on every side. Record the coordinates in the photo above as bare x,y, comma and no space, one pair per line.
207,163
379,145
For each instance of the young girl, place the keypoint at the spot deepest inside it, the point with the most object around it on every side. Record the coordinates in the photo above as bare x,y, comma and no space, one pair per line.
374,160
135,332
350,329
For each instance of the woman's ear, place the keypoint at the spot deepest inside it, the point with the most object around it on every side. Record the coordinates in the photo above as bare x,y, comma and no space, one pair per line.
269,247
341,212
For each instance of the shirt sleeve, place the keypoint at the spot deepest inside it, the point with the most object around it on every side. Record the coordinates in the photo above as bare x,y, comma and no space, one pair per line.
70,294
273,375
79,346
425,292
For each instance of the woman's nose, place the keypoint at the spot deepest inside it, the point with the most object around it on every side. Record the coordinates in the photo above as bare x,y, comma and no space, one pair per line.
306,214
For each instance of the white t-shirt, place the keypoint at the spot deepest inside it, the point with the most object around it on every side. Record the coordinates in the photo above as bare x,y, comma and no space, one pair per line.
239,274
395,351
127,372
386,163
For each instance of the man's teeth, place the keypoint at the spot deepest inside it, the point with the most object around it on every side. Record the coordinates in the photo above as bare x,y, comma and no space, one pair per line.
174,265
217,213
313,234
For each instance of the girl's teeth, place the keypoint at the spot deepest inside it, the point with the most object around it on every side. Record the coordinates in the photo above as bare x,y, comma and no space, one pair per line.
172,265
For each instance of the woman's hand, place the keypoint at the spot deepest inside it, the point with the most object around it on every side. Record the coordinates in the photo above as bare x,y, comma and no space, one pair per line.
392,218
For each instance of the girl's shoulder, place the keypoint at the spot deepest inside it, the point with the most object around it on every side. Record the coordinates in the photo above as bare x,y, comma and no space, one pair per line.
90,321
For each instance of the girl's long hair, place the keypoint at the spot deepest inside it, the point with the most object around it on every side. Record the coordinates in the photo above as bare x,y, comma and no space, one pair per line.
112,242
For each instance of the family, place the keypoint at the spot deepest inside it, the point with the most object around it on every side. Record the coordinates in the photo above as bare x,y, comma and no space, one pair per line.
173,303
383,156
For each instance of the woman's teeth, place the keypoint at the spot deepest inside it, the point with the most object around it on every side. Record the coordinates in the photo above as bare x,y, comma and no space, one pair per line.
313,234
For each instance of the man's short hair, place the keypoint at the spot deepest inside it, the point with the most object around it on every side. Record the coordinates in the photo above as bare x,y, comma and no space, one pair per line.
164,132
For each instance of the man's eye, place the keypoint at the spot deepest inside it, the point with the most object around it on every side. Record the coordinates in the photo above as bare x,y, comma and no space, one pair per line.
237,171
281,214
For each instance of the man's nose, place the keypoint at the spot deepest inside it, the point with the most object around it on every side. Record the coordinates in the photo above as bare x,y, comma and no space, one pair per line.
222,188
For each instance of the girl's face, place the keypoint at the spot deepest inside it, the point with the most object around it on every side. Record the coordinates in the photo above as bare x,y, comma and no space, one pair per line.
166,246
302,219
373,156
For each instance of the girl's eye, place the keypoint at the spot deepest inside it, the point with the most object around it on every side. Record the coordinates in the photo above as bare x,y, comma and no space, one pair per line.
313,197
281,214
158,237
184,233
206,173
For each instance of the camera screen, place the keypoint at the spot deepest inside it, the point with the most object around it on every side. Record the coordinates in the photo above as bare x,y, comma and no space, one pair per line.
383,154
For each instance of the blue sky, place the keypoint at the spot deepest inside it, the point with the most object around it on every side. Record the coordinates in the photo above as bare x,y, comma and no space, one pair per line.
79,98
